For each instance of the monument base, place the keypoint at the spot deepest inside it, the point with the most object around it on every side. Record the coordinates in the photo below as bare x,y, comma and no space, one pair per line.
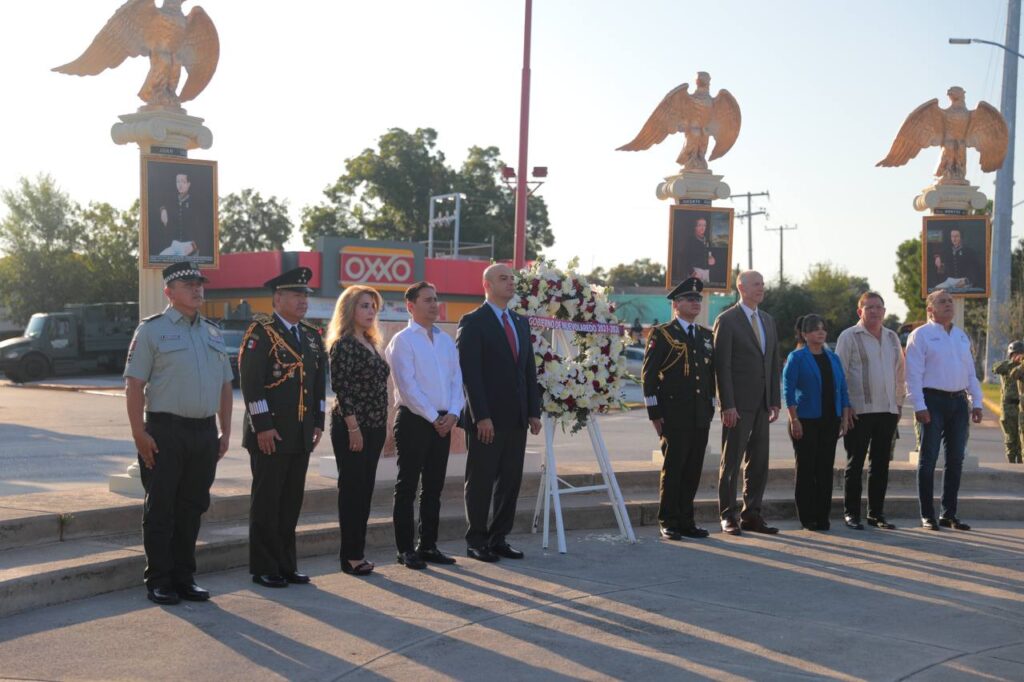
694,184
162,128
950,197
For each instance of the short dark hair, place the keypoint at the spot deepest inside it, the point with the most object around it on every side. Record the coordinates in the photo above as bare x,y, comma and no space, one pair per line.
869,294
413,292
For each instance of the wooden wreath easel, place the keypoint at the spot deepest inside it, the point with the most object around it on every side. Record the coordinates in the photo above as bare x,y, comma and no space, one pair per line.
552,487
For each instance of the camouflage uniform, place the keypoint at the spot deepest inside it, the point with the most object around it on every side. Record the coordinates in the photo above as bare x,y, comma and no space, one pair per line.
1011,375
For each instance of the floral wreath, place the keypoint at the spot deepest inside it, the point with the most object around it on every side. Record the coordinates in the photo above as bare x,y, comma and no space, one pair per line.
590,381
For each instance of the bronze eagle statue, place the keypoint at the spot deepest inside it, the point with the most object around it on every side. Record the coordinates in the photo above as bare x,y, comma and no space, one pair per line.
170,39
699,117
954,129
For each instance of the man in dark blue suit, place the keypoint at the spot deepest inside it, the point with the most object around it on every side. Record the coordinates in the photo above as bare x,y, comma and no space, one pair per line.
502,401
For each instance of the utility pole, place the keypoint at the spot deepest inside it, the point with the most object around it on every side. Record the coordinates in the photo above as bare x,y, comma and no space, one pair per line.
782,230
519,243
749,215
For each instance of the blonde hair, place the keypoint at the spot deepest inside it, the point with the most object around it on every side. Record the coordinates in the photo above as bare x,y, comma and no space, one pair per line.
343,320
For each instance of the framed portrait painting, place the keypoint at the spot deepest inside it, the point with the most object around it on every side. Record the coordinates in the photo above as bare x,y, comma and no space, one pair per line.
178,212
700,245
955,255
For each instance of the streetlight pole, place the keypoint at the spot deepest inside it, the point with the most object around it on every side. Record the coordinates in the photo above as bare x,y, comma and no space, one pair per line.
1002,223
519,250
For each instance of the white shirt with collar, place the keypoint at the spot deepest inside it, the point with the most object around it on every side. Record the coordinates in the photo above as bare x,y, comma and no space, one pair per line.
748,311
686,326
288,325
940,360
501,311
426,373
875,374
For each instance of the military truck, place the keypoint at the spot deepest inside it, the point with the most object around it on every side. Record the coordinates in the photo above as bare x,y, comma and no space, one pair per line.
81,337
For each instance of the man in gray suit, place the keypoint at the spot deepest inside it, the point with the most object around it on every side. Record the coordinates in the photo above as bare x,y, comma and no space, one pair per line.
748,371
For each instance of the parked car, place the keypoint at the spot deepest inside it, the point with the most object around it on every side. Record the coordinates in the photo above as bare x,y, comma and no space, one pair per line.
232,342
634,360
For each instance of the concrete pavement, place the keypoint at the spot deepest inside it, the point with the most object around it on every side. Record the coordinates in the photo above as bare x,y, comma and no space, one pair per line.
848,605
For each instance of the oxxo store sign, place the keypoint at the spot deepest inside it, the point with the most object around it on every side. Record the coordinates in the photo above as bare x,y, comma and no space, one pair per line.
389,267
381,268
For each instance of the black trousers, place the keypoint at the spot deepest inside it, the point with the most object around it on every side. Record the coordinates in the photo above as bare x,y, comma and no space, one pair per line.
278,484
815,460
357,472
421,453
683,441
494,472
177,495
871,437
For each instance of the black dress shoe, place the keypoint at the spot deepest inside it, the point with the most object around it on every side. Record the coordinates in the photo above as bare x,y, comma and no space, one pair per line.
929,524
192,592
853,522
694,532
670,534
481,554
270,580
758,526
880,522
435,556
730,526
411,560
507,551
296,578
811,525
953,522
163,595
362,568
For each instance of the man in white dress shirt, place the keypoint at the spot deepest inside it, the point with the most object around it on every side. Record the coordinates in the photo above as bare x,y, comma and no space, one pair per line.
873,362
940,374
428,397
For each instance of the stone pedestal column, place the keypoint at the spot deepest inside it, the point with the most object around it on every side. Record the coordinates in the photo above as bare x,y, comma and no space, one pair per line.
155,132
693,184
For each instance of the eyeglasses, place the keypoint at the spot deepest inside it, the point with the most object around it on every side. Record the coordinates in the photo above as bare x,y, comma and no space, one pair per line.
696,298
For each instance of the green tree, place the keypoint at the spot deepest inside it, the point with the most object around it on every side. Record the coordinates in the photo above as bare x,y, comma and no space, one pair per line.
834,294
248,222
786,303
111,252
892,321
640,273
385,194
907,280
598,276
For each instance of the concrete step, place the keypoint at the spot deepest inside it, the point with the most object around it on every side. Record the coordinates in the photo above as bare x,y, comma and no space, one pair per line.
43,518
56,572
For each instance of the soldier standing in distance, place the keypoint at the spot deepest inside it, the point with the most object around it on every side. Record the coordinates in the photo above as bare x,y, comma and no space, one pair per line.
179,376
1010,372
282,370
678,378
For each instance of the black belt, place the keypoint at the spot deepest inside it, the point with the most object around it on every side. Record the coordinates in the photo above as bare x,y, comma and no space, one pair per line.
946,394
184,422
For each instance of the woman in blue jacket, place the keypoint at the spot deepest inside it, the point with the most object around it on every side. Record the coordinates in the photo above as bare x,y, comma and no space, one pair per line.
819,414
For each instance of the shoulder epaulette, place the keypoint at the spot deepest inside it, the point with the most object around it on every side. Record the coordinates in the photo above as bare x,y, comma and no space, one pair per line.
263,318
309,325
211,322
152,317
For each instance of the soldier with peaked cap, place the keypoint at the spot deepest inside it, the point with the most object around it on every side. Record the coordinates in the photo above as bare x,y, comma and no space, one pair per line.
678,379
282,370
179,376
1010,371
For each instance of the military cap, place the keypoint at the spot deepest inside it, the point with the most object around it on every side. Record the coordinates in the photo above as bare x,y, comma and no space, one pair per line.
296,279
687,286
1015,347
182,270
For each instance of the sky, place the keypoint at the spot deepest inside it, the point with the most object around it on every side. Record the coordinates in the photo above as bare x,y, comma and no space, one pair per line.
301,86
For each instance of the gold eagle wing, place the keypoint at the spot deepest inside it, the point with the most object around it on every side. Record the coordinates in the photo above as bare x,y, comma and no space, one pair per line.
988,133
668,117
923,128
725,123
199,53
123,36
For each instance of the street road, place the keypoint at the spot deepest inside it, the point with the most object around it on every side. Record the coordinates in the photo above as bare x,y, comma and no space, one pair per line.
56,440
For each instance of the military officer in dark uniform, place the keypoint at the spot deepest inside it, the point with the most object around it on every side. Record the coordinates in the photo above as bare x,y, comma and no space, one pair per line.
282,370
178,376
679,390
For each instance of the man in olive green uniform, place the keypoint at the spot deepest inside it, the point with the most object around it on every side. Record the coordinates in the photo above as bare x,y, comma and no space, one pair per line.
678,378
1011,372
282,369
179,376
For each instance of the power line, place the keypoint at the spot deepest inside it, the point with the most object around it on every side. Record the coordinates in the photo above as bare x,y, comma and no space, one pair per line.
749,215
782,230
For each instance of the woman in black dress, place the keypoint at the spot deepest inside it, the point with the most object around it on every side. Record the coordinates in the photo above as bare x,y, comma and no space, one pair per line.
359,377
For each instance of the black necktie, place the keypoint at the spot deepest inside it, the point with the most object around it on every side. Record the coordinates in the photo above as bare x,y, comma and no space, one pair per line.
298,337
690,335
